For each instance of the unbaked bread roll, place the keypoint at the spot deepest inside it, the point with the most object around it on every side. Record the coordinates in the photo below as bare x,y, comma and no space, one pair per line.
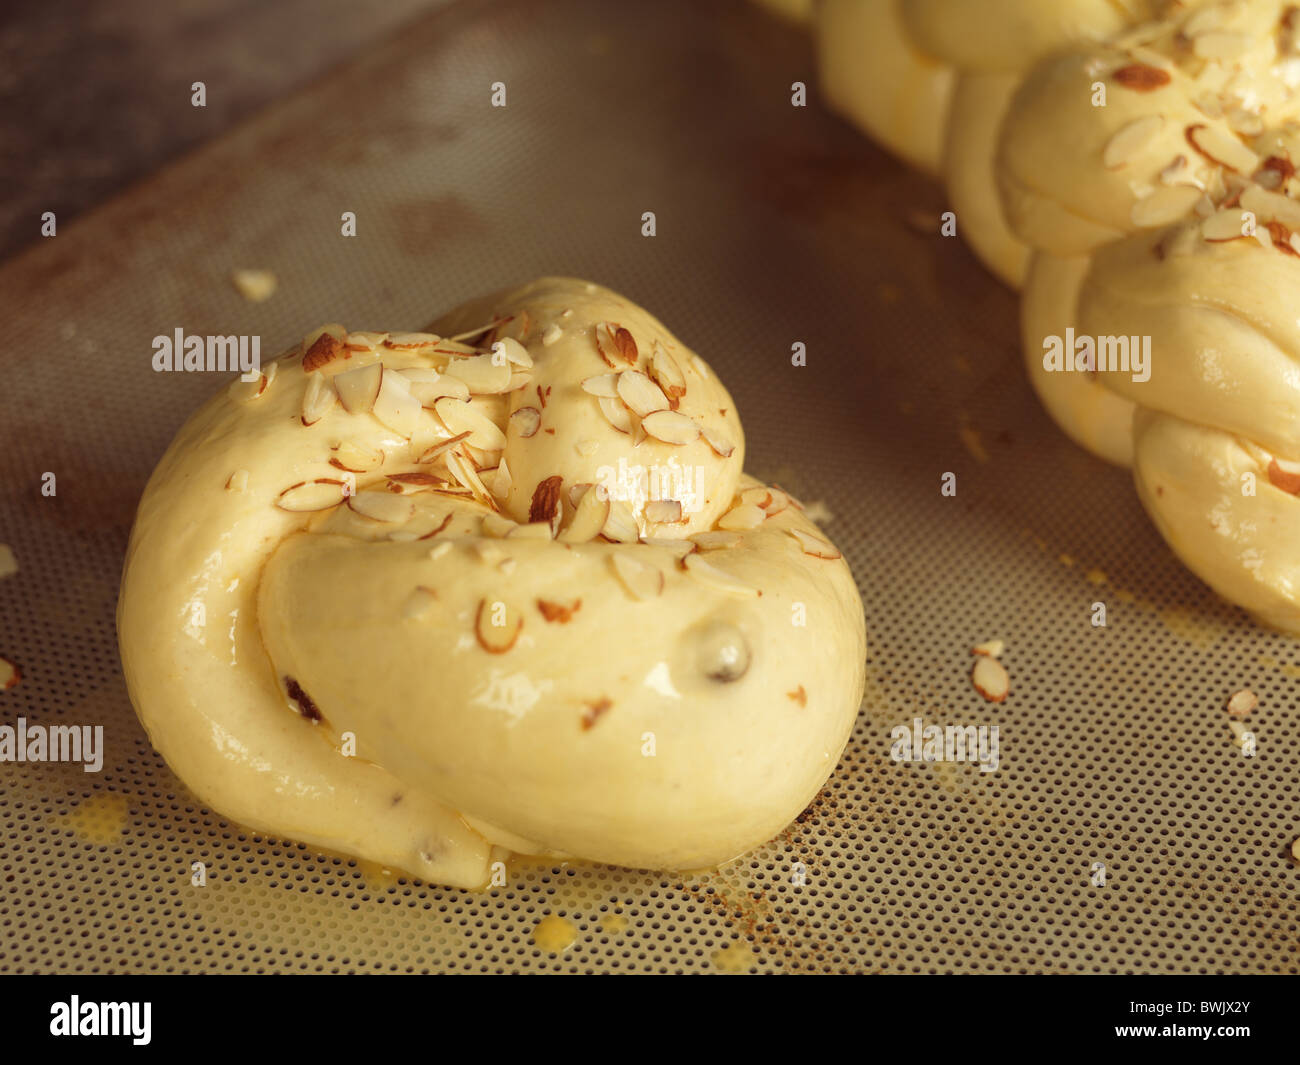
931,80
417,599
1169,212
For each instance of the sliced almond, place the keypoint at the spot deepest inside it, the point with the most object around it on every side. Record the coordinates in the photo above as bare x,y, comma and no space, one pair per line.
238,481
745,516
717,540
429,392
641,395
324,350
615,345
364,341
814,545
386,507
1222,148
667,373
642,579
255,286
604,385
589,518
1165,205
395,407
545,504
620,526
358,388
10,675
484,375
1223,226
413,482
992,648
664,512
771,501
497,626
501,482
1284,477
1176,173
722,447
511,351
496,323
710,575
526,421
1142,78
671,427
990,679
552,335
559,613
335,330
442,446
411,341
464,472
1131,140
320,494
318,400
355,457
679,549
618,416
1242,703
460,417
243,391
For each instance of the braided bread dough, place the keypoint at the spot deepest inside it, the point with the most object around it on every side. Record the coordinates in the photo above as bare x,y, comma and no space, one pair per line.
931,80
1169,213
293,588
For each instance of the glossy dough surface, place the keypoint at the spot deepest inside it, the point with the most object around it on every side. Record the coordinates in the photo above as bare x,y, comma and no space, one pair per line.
361,635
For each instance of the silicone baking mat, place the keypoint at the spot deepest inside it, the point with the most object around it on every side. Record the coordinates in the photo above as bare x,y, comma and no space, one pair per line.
1123,830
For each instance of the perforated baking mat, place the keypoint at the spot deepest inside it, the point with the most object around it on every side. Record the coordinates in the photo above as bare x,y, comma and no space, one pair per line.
1123,831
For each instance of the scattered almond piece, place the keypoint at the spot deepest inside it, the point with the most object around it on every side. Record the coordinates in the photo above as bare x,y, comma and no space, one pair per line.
559,613
1242,703
9,563
641,579
496,638
990,679
10,674
358,388
814,545
256,286
992,648
320,494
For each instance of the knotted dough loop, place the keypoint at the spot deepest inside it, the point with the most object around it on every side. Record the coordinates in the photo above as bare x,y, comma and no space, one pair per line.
932,79
414,597
1170,213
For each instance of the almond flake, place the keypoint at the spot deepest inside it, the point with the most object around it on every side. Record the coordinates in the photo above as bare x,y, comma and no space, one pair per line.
386,507
1176,173
442,446
618,416
771,501
318,400
242,391
509,349
429,392
255,286
603,385
615,344
364,341
497,626
1221,44
394,405
664,512
671,427
551,335
10,674
589,518
709,574
419,602
1131,140
641,395
587,448
717,540
990,679
545,504
238,481
1164,206
326,349
667,374
411,483
745,516
355,458
335,330
458,417
440,550
526,421
993,648
320,494
502,482
559,613
1284,477
1223,226
620,526
641,579
483,375
359,388
1141,78
463,470
814,545
411,341
1222,149
496,323
721,446
1242,703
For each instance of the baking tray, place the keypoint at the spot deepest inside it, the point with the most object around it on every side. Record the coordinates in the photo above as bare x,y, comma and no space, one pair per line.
1123,831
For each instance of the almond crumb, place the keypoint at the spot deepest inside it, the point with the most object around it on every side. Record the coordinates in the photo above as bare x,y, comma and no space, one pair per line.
798,695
